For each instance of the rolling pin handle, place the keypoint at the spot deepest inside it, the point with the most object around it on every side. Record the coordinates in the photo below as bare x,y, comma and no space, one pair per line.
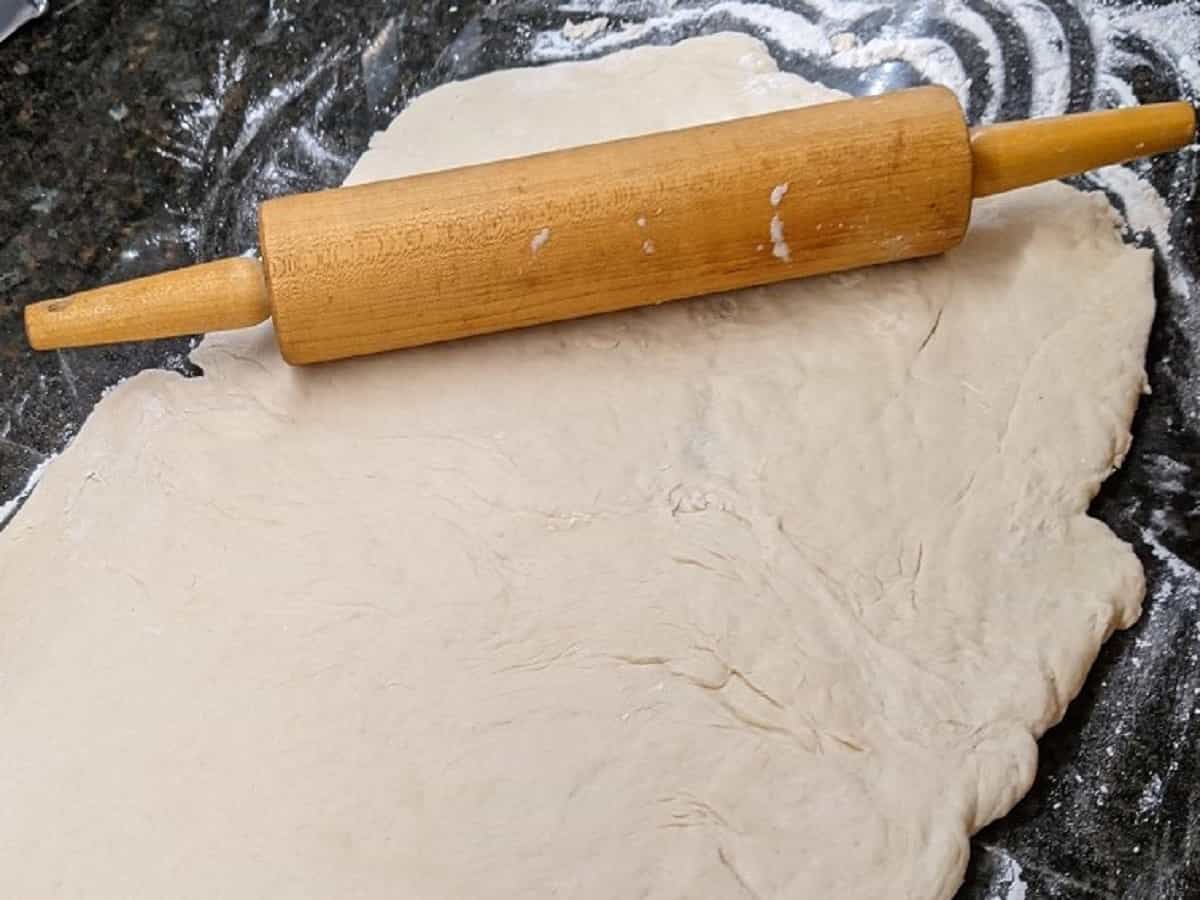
216,296
1013,155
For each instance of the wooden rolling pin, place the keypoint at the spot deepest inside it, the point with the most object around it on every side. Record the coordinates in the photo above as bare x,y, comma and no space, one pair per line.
610,226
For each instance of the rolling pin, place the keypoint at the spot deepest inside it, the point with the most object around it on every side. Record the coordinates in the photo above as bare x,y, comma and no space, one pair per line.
598,228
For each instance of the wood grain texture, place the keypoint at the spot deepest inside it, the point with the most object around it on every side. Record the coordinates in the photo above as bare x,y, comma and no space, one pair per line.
1017,154
611,226
214,296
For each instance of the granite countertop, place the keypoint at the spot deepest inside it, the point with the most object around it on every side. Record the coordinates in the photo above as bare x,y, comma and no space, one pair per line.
140,134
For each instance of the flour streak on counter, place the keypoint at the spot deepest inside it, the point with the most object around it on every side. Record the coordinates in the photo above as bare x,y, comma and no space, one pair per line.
7,509
1008,885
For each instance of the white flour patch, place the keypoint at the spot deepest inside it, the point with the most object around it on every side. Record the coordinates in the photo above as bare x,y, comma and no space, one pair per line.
780,247
843,41
583,31
539,241
779,193
1179,571
934,59
780,25
1145,210
1151,798
1008,883
10,507
1049,57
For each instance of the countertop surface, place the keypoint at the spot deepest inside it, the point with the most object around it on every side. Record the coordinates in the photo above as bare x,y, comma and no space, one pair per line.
139,135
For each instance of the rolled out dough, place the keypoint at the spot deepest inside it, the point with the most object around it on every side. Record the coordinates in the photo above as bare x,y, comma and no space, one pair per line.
763,595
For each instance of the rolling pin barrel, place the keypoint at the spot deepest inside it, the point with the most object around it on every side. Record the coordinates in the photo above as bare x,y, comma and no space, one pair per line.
611,226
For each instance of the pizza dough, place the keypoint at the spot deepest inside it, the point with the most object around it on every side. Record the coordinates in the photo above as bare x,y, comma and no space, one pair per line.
763,595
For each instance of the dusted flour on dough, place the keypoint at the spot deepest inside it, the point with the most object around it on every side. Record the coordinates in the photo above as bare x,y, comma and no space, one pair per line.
765,594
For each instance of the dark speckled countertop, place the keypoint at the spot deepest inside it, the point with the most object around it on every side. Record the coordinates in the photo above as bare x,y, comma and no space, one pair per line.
138,135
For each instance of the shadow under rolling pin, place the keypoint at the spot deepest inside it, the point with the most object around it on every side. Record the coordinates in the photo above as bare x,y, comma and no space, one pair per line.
599,228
